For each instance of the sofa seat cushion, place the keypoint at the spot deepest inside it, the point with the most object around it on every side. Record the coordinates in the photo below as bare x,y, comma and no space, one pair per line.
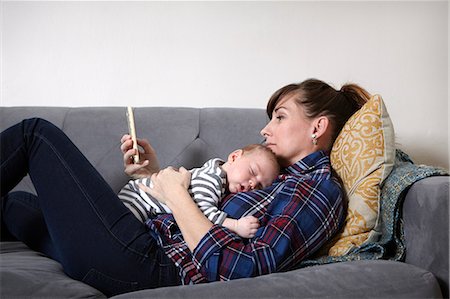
357,279
28,274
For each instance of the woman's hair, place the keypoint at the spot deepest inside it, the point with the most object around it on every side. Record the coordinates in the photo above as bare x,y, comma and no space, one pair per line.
320,99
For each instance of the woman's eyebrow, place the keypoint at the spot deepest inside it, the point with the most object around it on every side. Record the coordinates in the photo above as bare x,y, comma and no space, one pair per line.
281,107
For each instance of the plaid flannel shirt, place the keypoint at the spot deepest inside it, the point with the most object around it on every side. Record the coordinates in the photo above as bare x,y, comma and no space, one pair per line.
298,213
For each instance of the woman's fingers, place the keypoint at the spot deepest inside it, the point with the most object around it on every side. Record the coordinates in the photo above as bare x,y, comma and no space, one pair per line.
124,138
127,156
166,181
148,149
126,144
155,191
144,188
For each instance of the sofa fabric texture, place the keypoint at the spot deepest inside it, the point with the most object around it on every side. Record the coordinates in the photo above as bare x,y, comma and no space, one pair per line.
188,137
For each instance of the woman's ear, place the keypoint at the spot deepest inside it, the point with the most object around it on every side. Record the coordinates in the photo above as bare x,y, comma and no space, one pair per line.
234,155
321,125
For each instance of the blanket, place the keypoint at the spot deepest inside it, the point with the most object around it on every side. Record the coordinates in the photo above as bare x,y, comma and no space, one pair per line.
393,191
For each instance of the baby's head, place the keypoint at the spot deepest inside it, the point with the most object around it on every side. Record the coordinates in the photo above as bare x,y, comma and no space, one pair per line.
252,167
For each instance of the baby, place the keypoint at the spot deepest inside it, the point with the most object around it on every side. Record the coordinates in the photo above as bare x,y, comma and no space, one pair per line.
252,167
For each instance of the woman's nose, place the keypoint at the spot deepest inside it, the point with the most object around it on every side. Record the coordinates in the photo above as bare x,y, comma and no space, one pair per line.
265,131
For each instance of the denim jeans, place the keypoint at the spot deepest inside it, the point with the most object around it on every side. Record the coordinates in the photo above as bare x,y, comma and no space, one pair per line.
76,218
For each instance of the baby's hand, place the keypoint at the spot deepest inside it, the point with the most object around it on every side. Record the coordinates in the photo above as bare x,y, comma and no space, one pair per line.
247,226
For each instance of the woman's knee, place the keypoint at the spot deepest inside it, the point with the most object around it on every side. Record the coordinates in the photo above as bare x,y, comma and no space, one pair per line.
37,124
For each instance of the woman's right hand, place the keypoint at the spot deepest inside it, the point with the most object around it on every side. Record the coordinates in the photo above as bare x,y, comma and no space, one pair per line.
148,161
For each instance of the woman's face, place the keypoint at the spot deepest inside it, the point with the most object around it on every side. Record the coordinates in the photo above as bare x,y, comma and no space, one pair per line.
288,134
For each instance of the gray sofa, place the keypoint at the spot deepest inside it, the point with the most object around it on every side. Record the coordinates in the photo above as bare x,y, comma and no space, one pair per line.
188,136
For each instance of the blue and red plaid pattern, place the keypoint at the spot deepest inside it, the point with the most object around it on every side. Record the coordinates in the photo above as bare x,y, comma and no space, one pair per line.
298,213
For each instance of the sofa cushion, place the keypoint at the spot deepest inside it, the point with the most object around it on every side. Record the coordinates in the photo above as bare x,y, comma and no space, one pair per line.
358,279
29,274
363,156
428,232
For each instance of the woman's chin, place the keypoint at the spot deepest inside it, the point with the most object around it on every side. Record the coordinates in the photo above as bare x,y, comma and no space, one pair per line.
271,146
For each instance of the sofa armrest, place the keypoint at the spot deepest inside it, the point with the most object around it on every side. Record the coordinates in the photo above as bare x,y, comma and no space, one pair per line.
426,227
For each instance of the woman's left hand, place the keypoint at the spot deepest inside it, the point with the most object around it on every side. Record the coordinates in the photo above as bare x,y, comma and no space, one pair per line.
170,187
168,184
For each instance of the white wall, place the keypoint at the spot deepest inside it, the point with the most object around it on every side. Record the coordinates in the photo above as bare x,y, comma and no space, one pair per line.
231,54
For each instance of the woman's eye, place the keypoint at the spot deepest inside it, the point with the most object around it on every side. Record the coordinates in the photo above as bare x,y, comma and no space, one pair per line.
279,117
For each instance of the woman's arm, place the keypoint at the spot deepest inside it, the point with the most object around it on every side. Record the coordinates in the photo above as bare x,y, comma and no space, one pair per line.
303,215
170,187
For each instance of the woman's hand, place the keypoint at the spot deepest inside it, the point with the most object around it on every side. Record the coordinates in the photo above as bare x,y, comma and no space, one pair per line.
148,161
170,187
168,184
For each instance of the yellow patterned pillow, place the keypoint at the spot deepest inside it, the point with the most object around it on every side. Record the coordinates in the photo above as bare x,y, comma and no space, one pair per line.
363,156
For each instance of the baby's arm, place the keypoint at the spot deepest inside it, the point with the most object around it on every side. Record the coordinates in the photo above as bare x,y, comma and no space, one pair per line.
245,227
206,190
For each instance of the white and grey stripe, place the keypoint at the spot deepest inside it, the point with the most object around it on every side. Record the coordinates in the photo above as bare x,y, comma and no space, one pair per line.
207,187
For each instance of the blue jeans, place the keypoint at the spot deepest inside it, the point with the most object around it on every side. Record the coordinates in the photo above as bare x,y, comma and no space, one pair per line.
76,218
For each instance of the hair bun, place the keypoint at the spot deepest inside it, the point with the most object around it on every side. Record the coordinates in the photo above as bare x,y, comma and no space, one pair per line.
356,94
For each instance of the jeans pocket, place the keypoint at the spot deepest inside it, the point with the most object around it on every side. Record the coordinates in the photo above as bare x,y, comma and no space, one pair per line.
108,285
168,272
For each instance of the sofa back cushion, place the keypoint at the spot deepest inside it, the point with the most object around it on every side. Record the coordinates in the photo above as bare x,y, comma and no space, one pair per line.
181,136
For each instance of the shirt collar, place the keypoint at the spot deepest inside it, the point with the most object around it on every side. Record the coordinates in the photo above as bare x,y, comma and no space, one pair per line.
316,160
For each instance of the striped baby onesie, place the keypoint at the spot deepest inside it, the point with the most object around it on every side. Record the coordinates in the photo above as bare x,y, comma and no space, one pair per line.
207,188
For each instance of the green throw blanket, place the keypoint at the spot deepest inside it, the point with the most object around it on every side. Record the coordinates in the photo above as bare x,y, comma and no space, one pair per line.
391,244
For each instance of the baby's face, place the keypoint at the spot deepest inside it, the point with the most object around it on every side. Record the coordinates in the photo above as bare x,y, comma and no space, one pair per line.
251,171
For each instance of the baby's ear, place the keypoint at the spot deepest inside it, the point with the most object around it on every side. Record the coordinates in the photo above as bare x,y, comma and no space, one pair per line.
235,155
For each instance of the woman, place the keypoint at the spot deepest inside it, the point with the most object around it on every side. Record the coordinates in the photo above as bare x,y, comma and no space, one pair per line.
79,221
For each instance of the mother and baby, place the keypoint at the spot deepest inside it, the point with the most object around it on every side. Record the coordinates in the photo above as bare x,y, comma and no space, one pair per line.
263,210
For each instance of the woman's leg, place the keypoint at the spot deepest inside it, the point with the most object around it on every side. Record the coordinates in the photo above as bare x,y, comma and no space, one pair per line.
92,234
25,206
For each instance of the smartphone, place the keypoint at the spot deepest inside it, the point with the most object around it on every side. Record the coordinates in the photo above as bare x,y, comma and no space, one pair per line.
132,132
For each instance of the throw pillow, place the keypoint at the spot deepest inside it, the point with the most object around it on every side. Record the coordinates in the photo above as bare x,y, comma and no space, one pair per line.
363,156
